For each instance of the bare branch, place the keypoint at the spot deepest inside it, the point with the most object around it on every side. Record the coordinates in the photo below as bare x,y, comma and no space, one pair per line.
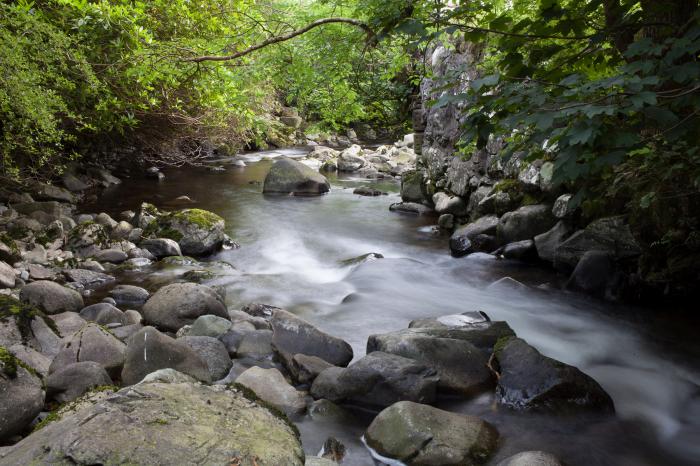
283,38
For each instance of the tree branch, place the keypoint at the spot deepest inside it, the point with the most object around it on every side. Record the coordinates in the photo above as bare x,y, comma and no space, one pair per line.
283,38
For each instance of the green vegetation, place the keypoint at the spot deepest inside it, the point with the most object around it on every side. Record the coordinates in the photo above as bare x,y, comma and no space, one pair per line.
76,72
8,362
23,314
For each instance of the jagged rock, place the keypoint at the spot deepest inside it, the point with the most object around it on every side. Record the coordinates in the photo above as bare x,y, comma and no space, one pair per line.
22,396
129,295
531,458
378,379
148,350
51,297
417,434
71,381
547,243
288,176
271,386
412,186
212,352
292,335
462,241
594,274
525,223
7,276
530,381
161,247
91,343
104,314
447,204
610,234
88,278
179,304
225,426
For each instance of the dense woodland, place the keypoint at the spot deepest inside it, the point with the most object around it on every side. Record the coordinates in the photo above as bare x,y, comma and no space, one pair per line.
607,89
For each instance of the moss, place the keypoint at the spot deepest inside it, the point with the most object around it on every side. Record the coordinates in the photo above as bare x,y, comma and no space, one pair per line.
105,388
51,417
510,186
202,218
529,199
8,363
252,396
11,244
159,421
23,315
501,343
18,231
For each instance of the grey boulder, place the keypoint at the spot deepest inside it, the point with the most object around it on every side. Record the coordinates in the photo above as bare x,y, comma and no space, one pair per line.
271,386
71,381
129,295
525,223
92,343
180,304
22,396
378,379
149,350
51,297
212,352
287,176
462,241
210,326
161,247
104,314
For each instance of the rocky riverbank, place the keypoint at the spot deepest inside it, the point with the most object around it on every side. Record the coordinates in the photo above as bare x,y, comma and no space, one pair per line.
144,375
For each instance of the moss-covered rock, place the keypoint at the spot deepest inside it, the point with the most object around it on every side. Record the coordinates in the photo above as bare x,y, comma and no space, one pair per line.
197,231
179,423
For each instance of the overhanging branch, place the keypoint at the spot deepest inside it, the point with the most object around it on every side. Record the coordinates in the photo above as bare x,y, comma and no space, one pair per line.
283,38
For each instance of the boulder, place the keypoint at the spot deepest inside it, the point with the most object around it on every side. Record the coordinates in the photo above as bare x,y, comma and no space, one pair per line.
483,335
88,278
561,208
161,247
287,176
292,335
306,368
531,381
122,230
531,458
256,344
148,350
7,276
524,250
115,256
212,352
417,434
412,186
22,396
129,295
594,274
378,379
164,423
71,381
104,314
451,320
92,343
51,297
210,326
449,204
350,160
271,386
411,208
73,183
461,366
105,220
32,358
197,232
548,242
179,304
610,234
462,241
525,223
368,191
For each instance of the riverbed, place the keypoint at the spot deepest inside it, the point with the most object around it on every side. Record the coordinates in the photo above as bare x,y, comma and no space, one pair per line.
293,255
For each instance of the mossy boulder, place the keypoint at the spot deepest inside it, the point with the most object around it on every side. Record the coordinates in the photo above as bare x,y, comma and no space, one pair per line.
20,321
287,176
161,423
197,232
418,434
21,395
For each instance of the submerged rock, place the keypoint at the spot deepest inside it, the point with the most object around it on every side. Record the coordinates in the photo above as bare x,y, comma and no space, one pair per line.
531,381
164,423
287,176
417,434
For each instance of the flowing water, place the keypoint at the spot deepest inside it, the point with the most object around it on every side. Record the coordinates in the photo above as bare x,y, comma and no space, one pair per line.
292,253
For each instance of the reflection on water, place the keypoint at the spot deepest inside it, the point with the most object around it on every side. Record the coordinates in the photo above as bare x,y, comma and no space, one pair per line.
291,256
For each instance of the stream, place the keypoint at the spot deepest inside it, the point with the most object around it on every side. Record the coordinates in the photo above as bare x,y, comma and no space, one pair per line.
291,256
